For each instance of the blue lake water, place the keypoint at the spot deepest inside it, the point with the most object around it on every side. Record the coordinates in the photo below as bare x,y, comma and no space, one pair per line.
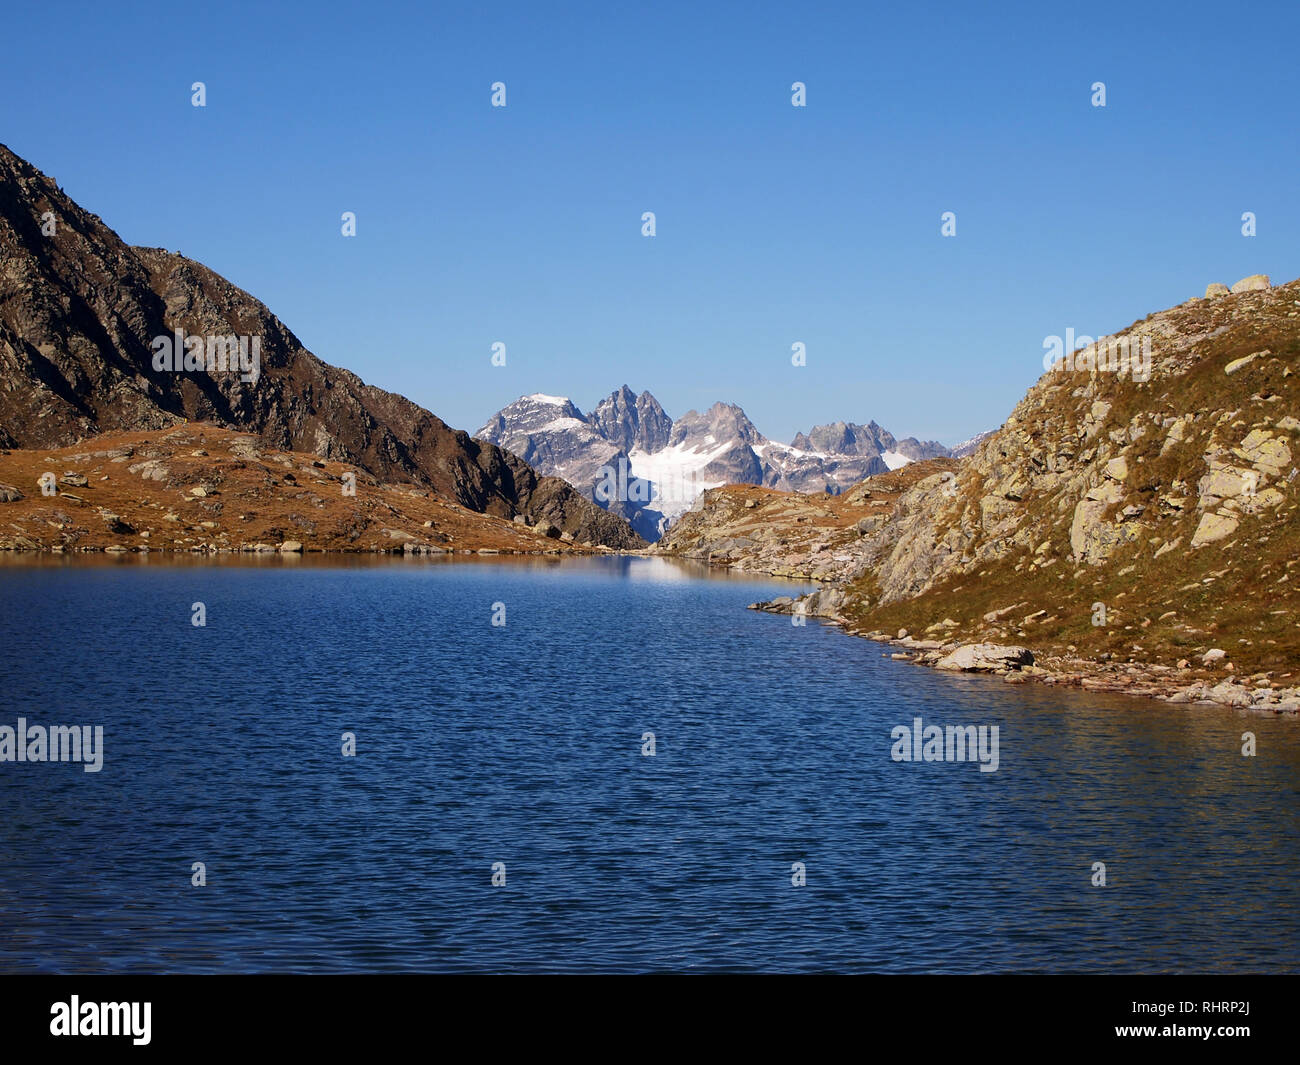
479,744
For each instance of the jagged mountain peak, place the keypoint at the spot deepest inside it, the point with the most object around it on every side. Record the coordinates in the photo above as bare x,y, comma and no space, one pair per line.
535,411
662,465
720,423
543,398
634,423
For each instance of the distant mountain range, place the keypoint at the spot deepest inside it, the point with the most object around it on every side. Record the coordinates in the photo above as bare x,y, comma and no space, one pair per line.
629,456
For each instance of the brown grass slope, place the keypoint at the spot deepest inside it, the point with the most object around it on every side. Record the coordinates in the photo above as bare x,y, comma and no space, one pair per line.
201,488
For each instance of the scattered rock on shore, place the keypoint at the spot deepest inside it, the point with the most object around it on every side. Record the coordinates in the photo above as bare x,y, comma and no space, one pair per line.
986,658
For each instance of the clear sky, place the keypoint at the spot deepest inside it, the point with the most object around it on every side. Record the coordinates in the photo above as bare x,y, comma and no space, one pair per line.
775,224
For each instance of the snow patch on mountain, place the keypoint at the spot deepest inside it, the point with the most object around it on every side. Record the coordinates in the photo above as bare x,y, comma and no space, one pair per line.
634,460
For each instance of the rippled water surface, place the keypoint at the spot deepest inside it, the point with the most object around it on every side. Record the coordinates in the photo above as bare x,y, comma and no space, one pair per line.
479,744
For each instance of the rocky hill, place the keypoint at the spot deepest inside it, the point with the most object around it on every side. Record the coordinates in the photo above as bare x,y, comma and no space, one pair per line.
633,459
787,534
203,489
89,327
1134,518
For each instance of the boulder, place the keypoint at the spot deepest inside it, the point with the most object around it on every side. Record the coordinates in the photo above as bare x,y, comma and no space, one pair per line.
150,470
1229,694
1092,539
9,494
291,547
1254,283
1177,432
1213,526
986,658
1266,452
1216,288
1107,492
870,524
825,602
1224,481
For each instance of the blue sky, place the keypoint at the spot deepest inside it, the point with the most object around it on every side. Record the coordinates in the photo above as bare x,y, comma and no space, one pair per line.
775,224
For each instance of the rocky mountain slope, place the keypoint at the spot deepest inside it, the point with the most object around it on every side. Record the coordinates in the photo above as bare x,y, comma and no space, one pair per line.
632,458
788,534
1136,520
82,318
199,488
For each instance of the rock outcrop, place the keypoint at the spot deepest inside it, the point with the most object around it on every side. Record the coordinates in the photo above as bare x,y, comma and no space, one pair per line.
1254,283
985,658
1135,510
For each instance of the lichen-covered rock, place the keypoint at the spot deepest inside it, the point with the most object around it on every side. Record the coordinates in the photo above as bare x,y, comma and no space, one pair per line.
1224,481
1265,452
1213,526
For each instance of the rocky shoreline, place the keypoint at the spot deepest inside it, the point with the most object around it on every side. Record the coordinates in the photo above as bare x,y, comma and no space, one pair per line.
21,545
1016,664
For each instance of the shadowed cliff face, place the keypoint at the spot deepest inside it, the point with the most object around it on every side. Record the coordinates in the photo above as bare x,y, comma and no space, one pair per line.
80,311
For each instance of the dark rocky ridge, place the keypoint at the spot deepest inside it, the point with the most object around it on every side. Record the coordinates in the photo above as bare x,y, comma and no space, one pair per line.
79,309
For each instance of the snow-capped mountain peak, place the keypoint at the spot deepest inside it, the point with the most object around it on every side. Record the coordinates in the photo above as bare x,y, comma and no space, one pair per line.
632,458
